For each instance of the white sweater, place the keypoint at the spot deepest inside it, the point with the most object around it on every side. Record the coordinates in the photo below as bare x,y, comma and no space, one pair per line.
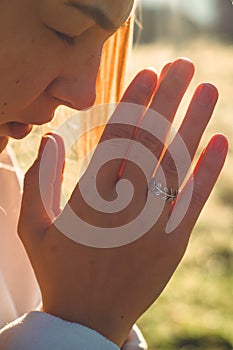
19,291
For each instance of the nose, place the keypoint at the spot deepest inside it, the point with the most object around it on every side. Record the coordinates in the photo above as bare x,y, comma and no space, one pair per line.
75,84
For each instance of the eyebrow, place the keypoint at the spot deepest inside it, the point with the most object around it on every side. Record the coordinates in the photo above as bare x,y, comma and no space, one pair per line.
94,12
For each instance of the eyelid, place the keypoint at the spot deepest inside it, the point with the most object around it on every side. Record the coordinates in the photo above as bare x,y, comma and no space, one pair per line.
68,39
65,37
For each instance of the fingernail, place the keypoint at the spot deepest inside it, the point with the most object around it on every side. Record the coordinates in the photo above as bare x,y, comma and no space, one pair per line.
219,143
206,94
183,68
148,80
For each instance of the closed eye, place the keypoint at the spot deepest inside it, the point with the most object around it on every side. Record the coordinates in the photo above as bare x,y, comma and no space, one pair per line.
65,38
68,39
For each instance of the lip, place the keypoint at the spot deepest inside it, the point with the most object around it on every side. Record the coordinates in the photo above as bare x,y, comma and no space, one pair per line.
18,130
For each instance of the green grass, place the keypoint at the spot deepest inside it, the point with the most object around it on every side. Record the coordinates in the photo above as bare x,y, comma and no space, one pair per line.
196,309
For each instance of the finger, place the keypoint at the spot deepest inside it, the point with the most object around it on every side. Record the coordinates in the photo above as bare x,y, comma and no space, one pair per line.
154,128
172,88
3,143
194,195
178,158
164,73
121,126
37,202
57,185
4,130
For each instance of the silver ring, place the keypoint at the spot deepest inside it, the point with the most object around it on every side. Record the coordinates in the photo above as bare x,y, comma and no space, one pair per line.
165,193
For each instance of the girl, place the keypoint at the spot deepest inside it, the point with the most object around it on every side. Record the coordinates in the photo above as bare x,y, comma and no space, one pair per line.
50,55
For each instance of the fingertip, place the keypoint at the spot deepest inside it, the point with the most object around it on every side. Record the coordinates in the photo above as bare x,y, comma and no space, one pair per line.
43,144
147,78
60,142
219,143
164,72
152,70
183,67
207,94
184,60
165,68
3,143
55,135
142,88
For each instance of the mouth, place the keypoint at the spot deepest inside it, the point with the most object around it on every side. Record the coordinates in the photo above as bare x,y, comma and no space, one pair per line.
18,130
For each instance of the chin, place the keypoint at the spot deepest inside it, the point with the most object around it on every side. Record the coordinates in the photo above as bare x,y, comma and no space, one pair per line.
21,127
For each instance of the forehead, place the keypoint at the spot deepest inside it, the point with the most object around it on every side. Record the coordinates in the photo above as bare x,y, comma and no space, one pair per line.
117,11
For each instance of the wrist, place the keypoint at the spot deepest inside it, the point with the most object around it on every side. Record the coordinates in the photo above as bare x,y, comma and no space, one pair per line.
39,330
115,329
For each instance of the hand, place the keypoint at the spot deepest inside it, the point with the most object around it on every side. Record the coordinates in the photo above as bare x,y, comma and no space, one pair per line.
3,143
108,289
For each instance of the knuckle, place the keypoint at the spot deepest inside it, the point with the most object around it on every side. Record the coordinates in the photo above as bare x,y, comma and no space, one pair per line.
169,91
169,165
118,131
139,95
150,141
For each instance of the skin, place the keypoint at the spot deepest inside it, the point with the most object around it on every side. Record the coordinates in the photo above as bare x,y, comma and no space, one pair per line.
69,272
108,289
38,81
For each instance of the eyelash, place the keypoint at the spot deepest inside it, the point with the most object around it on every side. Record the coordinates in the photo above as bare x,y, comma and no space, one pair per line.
65,38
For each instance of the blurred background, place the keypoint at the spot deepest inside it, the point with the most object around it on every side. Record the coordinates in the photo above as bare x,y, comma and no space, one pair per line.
196,309
180,20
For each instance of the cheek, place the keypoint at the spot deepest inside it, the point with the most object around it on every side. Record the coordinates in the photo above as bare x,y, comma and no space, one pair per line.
26,74
28,62
28,59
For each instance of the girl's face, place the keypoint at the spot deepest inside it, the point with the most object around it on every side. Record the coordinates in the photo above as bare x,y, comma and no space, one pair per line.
49,55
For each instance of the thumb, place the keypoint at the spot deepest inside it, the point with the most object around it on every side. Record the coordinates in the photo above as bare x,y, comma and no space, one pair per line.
59,173
37,201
